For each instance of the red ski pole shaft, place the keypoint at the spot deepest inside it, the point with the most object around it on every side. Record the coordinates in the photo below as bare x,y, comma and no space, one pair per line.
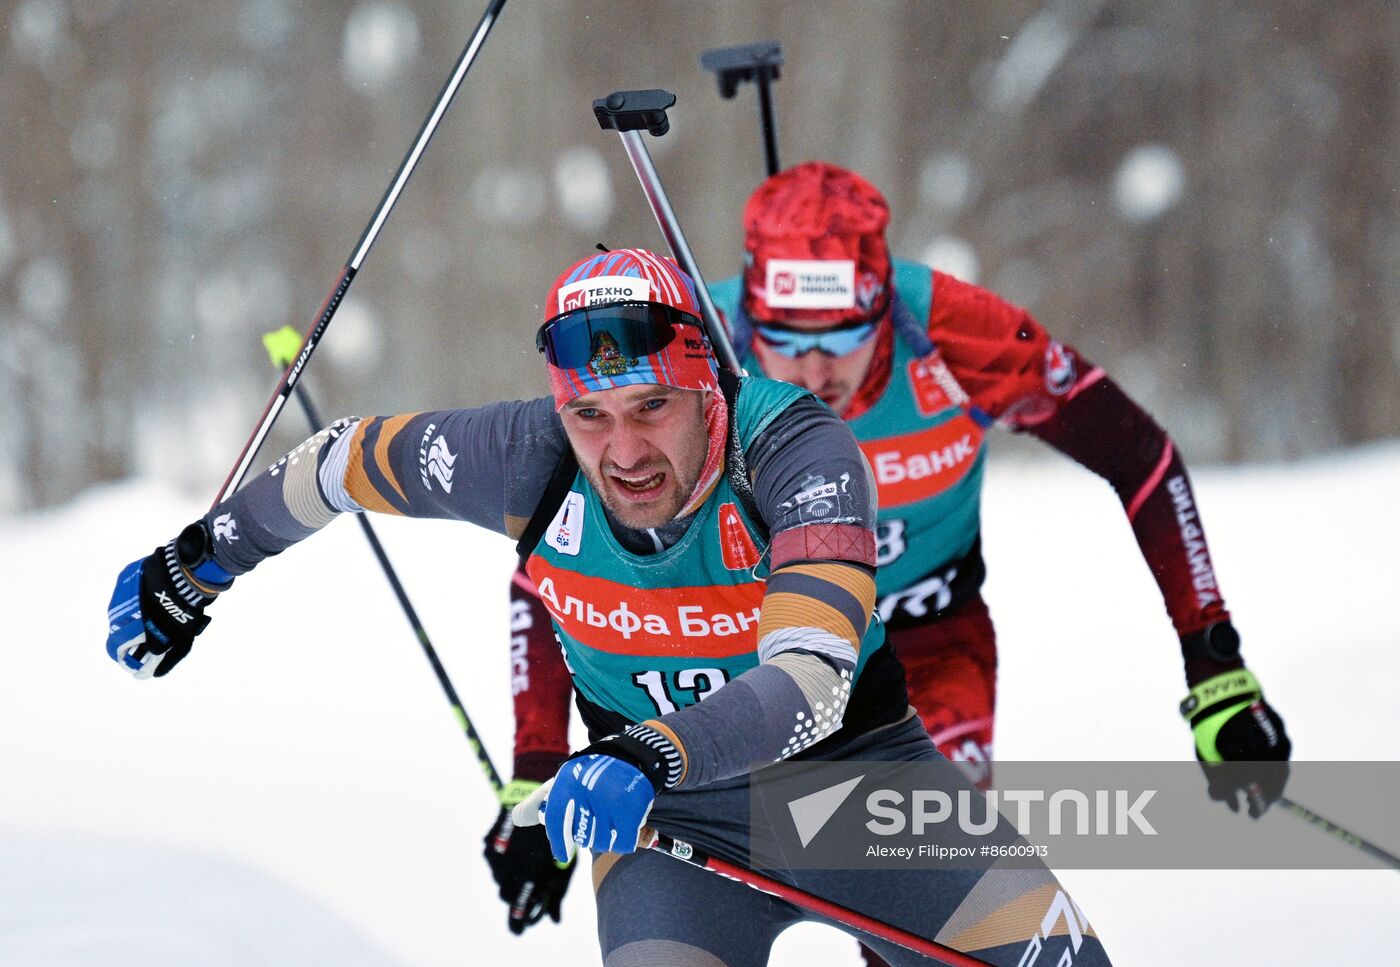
687,853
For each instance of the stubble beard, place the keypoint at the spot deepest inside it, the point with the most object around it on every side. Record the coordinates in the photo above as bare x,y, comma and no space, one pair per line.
657,514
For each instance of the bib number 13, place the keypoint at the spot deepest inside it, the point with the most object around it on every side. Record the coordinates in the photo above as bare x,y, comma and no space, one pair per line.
685,687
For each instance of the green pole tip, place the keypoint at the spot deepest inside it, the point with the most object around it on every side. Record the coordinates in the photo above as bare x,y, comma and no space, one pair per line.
282,346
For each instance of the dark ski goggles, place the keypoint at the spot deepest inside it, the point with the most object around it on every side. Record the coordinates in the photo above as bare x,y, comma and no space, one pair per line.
837,341
571,339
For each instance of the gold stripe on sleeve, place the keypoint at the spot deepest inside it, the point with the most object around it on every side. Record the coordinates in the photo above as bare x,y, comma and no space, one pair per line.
853,580
389,429
785,609
357,482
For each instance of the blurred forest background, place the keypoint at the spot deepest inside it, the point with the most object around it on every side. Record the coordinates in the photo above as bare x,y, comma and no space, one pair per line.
1196,193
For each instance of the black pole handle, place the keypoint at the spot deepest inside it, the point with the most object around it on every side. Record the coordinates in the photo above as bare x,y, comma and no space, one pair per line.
733,66
628,113
635,111
760,63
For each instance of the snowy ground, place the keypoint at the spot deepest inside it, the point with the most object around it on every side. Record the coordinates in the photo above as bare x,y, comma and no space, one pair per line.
297,792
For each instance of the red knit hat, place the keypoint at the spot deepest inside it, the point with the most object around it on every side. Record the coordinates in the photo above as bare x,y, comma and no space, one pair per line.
815,238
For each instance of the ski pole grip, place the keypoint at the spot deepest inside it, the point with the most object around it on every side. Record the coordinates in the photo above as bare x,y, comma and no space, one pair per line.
635,111
282,346
733,66
527,811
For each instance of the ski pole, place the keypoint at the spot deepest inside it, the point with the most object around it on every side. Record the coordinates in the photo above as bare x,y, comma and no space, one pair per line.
1345,835
627,113
347,273
751,62
282,347
810,902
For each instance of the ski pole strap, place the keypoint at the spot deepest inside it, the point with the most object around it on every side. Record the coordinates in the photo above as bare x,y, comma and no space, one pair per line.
1215,701
550,501
736,467
1218,692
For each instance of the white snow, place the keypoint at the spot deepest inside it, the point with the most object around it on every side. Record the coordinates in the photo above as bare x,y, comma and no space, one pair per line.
948,182
38,29
221,301
298,792
584,188
380,40
1021,281
358,336
953,255
1035,52
93,142
45,290
508,195
1308,262
7,240
144,903
265,24
1149,182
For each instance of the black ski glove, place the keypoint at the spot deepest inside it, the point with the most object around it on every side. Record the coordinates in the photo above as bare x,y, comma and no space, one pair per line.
532,883
157,607
1240,739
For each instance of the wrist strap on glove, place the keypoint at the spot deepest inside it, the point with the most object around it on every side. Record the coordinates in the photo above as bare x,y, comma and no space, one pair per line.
1213,702
1217,641
189,559
647,748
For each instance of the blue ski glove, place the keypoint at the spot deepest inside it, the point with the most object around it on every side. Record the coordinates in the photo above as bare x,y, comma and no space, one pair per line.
599,799
157,607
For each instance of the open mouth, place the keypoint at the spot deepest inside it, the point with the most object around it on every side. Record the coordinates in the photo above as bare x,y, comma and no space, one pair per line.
639,486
